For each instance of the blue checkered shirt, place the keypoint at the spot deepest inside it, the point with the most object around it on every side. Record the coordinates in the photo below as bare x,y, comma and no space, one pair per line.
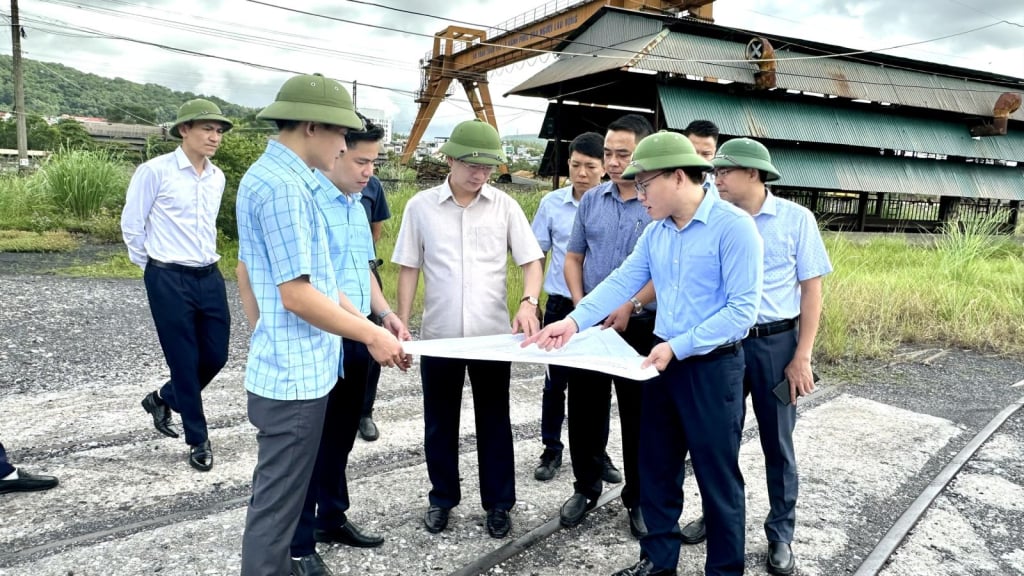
281,237
793,252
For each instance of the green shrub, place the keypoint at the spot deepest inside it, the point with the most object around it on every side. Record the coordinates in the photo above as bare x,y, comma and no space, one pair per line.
237,152
80,182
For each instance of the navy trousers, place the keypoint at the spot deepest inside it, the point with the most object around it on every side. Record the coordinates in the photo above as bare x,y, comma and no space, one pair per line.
589,405
372,378
556,380
767,358
443,380
327,496
5,466
695,406
190,311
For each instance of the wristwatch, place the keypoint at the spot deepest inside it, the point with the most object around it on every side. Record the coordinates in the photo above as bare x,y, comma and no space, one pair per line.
638,307
531,299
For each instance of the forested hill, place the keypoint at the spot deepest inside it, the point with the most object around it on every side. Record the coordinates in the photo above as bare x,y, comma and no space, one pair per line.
52,89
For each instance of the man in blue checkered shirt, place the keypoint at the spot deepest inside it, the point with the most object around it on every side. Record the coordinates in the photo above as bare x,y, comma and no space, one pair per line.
291,297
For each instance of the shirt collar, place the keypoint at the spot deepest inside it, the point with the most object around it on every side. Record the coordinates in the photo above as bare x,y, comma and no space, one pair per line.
567,196
771,204
327,186
291,161
487,192
704,209
184,163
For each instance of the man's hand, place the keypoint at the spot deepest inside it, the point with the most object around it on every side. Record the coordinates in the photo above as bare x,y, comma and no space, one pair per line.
801,378
553,335
387,350
526,320
619,319
659,357
395,325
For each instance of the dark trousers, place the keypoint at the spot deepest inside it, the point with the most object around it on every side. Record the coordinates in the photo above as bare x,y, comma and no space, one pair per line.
327,496
190,311
589,400
695,406
767,358
443,380
287,439
372,378
556,379
5,466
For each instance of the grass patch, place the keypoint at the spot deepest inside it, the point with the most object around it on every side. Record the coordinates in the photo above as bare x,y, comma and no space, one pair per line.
22,241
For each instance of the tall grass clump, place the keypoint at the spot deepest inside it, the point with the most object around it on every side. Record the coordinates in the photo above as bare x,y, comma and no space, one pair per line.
22,202
81,182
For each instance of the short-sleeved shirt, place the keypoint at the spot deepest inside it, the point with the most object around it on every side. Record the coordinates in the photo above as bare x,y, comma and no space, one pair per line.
605,231
463,253
281,237
708,276
793,252
552,225
374,201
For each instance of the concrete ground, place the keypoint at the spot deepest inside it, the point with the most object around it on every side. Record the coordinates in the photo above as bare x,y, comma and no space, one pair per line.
78,355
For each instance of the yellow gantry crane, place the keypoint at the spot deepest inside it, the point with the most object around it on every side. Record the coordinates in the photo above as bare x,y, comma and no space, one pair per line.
468,54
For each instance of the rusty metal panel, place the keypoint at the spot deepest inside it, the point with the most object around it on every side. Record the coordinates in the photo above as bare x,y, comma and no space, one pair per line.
836,171
801,121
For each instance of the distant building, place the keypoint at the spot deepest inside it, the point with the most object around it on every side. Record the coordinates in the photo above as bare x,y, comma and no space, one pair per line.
381,119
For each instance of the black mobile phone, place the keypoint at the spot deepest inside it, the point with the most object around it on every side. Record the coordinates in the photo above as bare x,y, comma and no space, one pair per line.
781,389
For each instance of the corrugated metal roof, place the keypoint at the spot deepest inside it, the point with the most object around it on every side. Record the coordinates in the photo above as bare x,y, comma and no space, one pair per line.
778,119
624,37
839,76
815,169
685,53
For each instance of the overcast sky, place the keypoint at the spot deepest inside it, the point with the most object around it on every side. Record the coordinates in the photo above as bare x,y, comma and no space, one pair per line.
252,32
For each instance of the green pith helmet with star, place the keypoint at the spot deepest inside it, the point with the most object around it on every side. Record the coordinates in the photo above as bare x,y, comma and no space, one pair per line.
746,153
663,151
198,109
313,98
475,142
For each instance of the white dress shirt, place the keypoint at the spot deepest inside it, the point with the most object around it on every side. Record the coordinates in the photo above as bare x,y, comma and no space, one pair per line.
170,212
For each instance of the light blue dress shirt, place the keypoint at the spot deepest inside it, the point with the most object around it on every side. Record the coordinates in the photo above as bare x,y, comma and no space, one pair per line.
552,225
707,275
794,252
351,245
281,237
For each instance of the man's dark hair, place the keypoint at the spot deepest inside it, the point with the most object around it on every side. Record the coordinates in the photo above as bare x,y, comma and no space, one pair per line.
286,125
702,128
370,132
635,123
589,144
695,175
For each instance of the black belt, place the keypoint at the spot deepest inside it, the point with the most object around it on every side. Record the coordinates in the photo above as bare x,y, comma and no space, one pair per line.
770,328
195,270
730,348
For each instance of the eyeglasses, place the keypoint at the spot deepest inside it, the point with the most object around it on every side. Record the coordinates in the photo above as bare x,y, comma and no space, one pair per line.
719,172
481,168
641,186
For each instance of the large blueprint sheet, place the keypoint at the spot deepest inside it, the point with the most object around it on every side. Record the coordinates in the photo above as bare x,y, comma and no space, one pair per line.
593,349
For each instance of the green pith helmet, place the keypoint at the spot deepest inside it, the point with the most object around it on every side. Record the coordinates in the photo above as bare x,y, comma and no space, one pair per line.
664,150
475,142
313,98
746,153
198,109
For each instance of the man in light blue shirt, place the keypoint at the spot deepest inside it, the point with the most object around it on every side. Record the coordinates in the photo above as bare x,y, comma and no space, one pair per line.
291,296
169,224
706,261
778,348
552,225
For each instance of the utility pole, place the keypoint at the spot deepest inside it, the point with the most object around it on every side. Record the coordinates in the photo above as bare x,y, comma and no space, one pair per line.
355,94
19,88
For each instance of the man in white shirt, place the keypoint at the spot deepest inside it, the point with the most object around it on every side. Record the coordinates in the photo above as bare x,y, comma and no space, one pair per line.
169,223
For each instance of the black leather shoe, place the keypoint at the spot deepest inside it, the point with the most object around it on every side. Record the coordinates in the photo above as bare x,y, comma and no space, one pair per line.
780,558
694,533
637,526
574,509
161,414
644,568
498,523
436,518
350,535
550,462
609,473
312,565
26,482
367,429
200,457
